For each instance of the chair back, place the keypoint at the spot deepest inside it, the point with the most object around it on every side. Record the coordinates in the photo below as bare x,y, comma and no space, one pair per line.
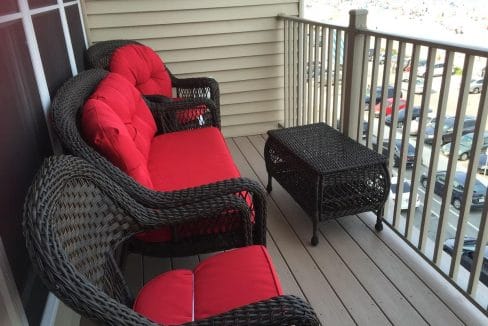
75,220
99,54
66,111
139,64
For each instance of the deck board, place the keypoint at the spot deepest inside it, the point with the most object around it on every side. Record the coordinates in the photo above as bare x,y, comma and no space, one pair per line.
354,276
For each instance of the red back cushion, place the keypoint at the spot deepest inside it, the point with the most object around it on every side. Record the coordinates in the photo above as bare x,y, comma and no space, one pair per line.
143,68
118,123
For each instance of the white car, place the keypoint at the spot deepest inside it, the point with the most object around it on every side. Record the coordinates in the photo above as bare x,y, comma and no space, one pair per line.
414,125
475,86
406,193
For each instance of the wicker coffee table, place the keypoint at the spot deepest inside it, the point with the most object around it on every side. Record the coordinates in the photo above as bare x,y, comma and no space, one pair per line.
328,174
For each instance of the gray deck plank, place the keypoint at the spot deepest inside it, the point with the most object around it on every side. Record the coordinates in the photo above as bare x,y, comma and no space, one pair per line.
288,281
133,272
394,304
434,311
354,296
317,290
153,266
359,303
445,291
189,262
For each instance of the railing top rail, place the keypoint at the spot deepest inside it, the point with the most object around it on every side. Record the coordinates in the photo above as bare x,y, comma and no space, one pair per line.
310,21
450,46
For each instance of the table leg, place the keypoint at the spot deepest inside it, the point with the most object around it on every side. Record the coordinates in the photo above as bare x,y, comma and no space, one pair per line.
269,187
379,219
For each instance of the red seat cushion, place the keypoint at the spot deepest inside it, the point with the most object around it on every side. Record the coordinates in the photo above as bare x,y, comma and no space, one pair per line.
221,283
186,159
167,298
117,122
143,68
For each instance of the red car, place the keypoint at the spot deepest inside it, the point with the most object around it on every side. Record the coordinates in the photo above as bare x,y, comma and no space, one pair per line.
402,104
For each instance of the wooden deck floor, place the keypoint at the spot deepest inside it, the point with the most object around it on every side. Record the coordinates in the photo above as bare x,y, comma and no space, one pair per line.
354,276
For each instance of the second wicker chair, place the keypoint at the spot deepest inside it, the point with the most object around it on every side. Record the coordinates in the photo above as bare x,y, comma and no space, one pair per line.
224,231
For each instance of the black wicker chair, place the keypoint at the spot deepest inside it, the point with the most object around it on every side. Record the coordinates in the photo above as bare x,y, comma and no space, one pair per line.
75,218
190,91
66,108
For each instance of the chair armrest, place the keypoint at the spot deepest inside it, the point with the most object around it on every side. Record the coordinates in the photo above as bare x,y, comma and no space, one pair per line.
277,311
182,114
197,87
205,211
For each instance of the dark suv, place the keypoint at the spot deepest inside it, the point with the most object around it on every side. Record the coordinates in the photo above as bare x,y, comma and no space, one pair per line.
479,190
448,129
379,93
467,255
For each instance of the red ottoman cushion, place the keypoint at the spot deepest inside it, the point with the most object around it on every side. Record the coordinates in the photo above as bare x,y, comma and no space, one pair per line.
234,279
220,283
167,298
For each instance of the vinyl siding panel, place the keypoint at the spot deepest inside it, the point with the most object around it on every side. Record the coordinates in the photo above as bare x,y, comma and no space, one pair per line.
237,42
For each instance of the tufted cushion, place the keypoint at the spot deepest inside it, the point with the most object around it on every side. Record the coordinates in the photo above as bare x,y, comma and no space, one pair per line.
220,283
143,68
117,122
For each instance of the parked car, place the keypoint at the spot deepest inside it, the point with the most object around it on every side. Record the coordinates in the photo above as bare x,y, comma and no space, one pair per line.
475,86
465,144
317,71
416,112
479,190
402,104
408,66
370,55
483,163
410,160
419,86
467,255
405,195
379,94
414,125
448,129
438,70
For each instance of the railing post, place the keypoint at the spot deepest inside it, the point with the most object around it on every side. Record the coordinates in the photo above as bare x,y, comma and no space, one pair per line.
352,78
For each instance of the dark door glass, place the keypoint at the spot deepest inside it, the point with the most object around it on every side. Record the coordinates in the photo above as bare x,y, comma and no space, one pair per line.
76,34
52,47
8,7
24,142
41,3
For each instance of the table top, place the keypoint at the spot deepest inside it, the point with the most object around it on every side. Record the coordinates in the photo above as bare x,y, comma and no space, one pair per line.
325,149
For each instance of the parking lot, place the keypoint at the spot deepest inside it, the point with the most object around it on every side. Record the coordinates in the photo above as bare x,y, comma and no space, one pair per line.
453,215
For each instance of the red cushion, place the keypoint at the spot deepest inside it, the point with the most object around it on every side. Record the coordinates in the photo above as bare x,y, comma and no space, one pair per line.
118,123
168,298
143,68
221,283
234,279
185,159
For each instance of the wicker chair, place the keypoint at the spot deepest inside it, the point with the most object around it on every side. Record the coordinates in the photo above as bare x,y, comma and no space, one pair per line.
75,218
190,91
66,108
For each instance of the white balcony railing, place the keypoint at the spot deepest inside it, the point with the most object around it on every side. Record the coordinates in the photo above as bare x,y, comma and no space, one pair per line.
371,86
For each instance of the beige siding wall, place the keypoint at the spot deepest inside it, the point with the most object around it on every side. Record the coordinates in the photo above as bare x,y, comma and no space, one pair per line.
238,42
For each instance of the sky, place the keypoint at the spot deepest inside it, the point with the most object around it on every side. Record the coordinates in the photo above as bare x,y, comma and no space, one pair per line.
459,21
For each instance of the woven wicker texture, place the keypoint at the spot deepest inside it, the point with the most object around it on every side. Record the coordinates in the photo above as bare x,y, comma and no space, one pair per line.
75,218
328,174
194,91
66,109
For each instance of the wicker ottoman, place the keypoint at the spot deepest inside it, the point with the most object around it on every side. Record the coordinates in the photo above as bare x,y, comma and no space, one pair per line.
328,174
